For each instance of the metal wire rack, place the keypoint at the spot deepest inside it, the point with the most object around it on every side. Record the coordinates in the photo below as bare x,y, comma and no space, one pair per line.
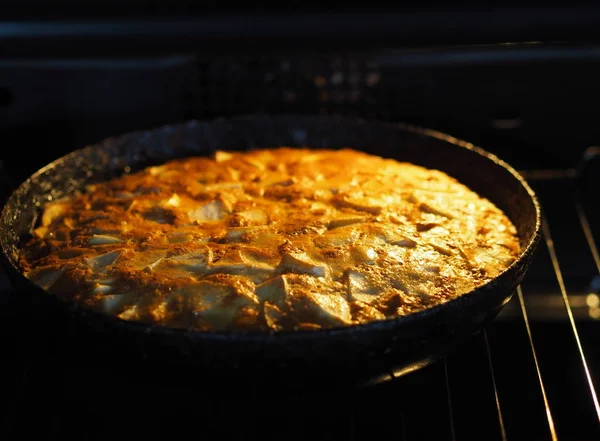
530,375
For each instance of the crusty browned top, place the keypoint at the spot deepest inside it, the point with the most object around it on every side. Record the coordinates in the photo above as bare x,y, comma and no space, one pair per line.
270,239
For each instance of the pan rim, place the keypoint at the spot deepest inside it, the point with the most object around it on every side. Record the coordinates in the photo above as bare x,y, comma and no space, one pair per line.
382,324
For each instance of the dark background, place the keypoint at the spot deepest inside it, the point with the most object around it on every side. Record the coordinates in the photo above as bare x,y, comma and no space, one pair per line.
519,81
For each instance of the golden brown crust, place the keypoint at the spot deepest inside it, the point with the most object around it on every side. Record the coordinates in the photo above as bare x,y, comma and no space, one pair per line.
270,239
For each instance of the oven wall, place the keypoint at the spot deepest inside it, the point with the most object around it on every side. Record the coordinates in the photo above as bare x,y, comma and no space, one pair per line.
530,103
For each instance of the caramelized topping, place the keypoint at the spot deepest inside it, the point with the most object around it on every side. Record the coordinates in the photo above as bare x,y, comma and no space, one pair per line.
278,239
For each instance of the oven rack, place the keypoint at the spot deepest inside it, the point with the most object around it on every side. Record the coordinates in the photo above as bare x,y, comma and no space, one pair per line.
531,375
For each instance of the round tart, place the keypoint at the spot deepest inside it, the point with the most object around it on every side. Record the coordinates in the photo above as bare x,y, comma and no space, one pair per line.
272,239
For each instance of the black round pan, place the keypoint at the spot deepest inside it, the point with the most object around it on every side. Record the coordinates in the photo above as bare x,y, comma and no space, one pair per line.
361,352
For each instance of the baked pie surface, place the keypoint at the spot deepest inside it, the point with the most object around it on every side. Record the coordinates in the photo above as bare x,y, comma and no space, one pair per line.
280,239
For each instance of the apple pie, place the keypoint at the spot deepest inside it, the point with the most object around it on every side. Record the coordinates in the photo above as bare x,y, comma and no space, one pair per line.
270,239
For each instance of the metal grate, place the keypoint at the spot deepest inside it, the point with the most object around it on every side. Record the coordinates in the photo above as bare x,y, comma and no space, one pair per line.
524,378
530,375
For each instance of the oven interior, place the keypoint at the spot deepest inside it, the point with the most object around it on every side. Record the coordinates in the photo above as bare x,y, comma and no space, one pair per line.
532,374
